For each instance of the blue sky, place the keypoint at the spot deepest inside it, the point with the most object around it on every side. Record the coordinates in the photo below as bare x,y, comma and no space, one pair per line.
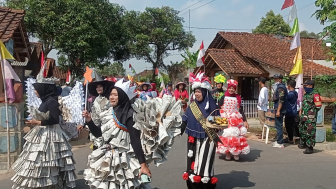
221,15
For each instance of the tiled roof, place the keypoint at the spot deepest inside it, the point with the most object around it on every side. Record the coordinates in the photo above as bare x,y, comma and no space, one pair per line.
272,51
232,62
58,73
9,21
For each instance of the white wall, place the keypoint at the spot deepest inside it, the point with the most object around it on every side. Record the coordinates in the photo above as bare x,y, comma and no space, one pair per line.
328,64
272,71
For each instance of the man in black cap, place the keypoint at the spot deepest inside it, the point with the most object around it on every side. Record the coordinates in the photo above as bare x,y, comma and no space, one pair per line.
311,104
279,99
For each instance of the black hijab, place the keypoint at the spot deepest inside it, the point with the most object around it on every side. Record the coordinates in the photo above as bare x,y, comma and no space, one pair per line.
45,90
123,110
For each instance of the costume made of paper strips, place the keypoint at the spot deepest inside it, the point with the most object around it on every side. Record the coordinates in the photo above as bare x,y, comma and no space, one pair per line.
311,104
127,144
201,145
233,140
100,104
46,160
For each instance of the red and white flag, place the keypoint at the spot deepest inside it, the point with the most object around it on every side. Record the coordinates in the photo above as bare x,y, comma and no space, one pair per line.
200,58
42,65
287,3
68,77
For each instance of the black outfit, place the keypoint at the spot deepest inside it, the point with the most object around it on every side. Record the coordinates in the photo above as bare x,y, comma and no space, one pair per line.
47,93
291,112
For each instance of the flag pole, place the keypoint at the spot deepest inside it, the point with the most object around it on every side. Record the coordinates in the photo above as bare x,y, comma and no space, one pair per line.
7,125
86,97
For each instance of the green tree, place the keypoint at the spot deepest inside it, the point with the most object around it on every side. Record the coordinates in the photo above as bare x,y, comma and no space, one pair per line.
158,31
174,69
272,24
115,69
305,33
190,58
86,31
327,13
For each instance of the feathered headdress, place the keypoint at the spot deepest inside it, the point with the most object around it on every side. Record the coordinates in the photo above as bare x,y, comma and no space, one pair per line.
199,81
125,86
219,78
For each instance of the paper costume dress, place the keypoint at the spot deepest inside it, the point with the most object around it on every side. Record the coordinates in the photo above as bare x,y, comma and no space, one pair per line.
114,164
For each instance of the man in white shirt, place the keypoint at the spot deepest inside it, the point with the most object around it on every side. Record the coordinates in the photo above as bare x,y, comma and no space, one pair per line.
262,101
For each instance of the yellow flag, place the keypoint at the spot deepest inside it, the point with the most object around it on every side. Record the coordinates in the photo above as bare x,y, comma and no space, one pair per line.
4,52
297,69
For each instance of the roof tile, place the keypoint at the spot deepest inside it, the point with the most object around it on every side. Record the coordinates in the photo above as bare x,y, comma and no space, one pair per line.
273,51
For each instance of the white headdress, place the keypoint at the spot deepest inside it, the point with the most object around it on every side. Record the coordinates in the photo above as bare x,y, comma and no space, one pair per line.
201,81
125,86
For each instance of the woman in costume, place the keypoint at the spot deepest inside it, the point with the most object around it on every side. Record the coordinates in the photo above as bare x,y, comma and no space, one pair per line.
145,93
46,160
167,91
233,140
219,91
202,140
119,159
100,90
181,94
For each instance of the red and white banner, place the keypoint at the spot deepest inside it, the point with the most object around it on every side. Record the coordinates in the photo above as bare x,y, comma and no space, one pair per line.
200,58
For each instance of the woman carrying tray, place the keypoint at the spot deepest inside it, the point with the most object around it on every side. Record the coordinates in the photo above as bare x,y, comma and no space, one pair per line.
202,140
233,140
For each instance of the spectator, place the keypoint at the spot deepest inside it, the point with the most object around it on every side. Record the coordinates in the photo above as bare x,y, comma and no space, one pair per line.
280,101
262,101
66,89
153,90
291,110
181,93
167,91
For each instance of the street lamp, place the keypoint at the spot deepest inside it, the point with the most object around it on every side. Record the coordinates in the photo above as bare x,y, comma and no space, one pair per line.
312,55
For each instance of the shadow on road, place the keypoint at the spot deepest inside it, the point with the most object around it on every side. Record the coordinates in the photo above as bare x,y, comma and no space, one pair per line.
251,157
80,183
234,179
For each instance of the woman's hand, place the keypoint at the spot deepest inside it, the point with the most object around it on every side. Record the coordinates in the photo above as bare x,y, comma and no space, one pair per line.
87,116
144,170
33,122
246,124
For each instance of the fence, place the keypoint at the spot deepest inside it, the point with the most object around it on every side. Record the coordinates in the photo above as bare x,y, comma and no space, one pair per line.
250,108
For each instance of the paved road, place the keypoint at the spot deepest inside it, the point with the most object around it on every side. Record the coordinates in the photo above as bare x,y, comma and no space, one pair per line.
264,168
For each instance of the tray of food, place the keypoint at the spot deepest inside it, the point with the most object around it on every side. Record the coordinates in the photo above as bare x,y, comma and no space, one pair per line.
218,123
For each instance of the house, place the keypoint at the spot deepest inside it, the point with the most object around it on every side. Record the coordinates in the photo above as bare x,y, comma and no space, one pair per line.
14,35
247,56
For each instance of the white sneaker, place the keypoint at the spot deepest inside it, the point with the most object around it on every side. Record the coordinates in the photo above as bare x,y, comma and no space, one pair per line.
276,145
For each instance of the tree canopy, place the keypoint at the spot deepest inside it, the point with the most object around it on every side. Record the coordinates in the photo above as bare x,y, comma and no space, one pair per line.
272,24
307,34
115,69
86,31
158,31
327,13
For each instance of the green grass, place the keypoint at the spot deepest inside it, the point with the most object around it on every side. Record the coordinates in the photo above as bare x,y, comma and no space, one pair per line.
330,136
